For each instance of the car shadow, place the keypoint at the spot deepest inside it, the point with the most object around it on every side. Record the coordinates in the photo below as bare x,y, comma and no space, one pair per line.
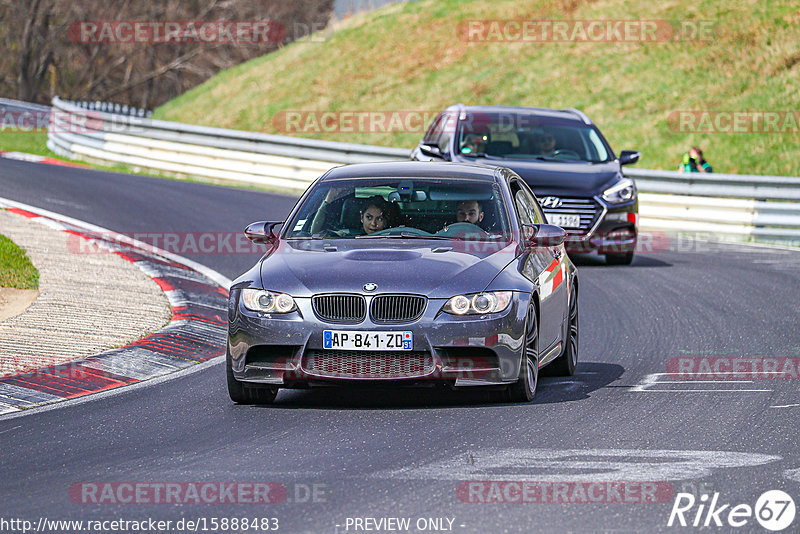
595,260
589,377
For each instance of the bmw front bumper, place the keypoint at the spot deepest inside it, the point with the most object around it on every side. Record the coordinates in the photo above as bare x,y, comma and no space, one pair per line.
286,349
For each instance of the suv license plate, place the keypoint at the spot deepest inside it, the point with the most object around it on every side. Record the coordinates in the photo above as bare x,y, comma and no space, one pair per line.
564,221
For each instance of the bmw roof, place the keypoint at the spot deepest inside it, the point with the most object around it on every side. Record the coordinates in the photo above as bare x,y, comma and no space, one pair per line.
413,169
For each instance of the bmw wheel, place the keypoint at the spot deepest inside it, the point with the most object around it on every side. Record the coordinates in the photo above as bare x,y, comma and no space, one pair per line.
565,364
247,394
524,389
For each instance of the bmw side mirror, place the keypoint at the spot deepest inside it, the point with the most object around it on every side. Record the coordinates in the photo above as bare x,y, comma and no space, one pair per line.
546,235
628,157
261,232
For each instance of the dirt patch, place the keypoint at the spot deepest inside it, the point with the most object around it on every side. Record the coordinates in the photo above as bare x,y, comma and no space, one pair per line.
15,301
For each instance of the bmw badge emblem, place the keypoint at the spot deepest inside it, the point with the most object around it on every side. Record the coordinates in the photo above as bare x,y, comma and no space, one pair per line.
370,286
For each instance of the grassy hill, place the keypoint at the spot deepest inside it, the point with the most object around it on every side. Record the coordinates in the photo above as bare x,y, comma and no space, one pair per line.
410,57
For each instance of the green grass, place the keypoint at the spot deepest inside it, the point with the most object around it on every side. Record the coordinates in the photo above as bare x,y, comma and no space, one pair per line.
16,270
30,142
408,57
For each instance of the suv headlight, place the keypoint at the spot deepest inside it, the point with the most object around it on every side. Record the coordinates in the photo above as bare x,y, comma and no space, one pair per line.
261,300
478,303
623,191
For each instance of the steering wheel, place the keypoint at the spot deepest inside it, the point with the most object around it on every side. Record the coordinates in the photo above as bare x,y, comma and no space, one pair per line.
460,228
566,152
397,230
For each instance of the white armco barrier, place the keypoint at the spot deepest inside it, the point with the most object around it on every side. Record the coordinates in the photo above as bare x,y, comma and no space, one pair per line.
740,207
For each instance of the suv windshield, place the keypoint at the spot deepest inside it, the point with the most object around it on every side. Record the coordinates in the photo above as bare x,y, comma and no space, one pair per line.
526,135
427,208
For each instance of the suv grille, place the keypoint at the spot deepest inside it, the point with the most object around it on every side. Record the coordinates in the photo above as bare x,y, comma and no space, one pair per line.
397,308
586,208
368,365
340,308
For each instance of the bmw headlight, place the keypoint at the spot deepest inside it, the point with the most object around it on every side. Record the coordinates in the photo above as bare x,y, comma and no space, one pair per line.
261,300
478,303
622,191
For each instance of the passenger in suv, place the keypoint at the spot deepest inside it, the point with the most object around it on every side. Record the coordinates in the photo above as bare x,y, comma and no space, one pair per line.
564,158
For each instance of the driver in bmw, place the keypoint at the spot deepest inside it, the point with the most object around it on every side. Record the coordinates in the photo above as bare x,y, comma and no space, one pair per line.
469,211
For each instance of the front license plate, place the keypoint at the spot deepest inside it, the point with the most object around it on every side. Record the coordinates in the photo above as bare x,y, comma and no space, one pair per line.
564,221
366,340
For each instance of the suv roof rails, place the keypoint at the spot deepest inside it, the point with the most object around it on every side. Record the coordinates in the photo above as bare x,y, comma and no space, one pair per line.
580,114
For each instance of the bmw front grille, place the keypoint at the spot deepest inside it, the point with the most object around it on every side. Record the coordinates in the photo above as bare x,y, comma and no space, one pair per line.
397,308
384,309
340,308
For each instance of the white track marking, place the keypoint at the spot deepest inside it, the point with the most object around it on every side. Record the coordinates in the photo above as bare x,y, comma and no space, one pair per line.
601,465
653,380
792,474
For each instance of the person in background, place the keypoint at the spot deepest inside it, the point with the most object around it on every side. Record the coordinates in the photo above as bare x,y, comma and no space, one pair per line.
474,143
545,145
693,161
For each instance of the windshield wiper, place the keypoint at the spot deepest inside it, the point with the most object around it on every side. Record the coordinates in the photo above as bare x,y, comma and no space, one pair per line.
545,158
308,237
402,235
476,155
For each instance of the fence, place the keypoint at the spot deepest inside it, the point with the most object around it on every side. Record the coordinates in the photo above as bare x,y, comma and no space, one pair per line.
741,207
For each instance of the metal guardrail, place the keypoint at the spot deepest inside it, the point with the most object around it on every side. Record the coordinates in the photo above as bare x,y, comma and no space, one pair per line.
18,105
109,107
186,149
741,207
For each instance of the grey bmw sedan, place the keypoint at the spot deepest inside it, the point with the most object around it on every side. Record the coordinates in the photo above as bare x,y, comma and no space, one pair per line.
405,274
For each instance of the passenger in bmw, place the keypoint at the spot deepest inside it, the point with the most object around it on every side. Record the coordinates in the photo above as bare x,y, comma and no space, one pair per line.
375,215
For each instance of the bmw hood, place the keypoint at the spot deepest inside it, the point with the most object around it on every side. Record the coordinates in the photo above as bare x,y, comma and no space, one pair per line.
439,269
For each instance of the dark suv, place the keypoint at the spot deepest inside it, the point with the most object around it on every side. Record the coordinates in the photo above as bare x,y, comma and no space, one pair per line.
564,158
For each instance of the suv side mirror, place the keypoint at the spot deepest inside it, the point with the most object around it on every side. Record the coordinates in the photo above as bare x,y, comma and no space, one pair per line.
546,235
431,150
261,232
628,157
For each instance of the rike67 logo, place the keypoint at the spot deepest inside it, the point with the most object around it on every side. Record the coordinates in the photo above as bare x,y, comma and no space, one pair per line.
774,510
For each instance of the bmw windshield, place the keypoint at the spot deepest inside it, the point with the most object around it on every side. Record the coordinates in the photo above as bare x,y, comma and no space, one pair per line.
528,136
424,208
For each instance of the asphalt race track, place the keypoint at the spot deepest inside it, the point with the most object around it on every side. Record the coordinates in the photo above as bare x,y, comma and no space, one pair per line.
430,456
